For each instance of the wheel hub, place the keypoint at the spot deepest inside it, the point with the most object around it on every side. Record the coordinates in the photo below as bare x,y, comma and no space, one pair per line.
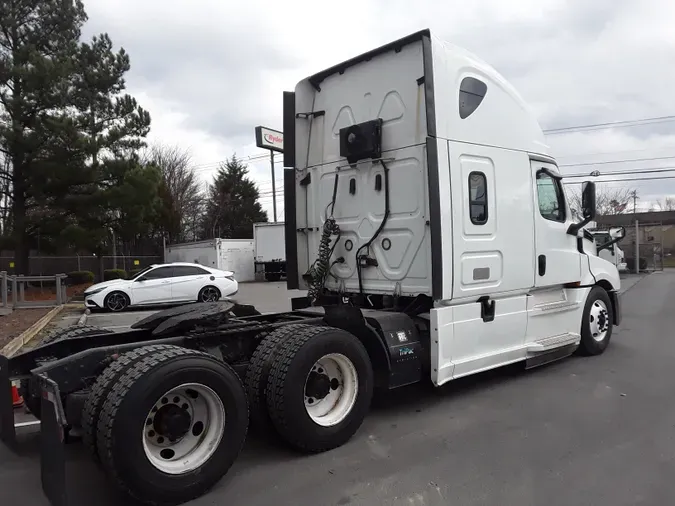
331,389
183,428
172,422
599,320
318,385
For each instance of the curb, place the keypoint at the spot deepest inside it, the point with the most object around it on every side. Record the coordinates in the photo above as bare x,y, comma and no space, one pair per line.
83,318
27,335
642,278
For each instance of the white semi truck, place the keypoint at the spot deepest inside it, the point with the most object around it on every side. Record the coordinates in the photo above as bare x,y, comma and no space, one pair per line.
607,246
270,250
427,220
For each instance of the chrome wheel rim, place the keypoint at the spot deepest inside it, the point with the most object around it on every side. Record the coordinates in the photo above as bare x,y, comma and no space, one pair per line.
331,388
599,320
210,294
184,428
116,302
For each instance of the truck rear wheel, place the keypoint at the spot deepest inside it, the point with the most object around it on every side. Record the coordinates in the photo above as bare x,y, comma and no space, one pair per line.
596,323
172,425
91,410
258,371
320,388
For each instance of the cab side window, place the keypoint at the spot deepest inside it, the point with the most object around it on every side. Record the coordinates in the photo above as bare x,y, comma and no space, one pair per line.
478,200
551,197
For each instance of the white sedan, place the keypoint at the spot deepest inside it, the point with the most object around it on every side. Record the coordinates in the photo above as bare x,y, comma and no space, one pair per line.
162,284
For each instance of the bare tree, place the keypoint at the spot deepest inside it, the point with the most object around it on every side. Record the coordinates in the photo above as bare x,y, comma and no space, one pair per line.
665,204
181,190
607,200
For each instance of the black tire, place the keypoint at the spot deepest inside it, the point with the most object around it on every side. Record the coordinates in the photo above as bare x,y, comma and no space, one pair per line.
143,382
124,297
91,410
589,344
29,389
285,388
200,296
258,372
73,332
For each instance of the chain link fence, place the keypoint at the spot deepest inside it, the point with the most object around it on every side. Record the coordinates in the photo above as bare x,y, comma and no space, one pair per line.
52,265
651,246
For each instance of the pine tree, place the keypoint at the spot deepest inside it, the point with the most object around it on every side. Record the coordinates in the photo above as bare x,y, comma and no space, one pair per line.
39,42
112,127
232,205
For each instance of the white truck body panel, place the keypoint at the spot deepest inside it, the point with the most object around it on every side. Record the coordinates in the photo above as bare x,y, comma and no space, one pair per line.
478,217
234,255
382,88
270,244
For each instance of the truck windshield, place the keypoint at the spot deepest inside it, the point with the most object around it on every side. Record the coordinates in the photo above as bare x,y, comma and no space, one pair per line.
601,239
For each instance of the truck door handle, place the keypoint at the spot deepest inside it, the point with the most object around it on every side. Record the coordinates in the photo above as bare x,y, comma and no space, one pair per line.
542,265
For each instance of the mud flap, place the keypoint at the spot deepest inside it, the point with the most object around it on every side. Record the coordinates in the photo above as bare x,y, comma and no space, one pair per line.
53,457
7,430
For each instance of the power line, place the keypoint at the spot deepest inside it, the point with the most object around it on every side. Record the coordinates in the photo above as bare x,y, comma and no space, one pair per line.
621,172
611,124
624,179
600,153
607,162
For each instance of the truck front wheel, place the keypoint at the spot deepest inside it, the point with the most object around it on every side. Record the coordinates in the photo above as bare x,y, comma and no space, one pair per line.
172,425
320,388
596,324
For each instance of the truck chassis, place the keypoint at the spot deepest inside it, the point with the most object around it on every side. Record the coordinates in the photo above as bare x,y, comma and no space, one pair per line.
89,383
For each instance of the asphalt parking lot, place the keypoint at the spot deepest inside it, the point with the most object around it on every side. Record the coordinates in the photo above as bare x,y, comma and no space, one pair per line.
583,431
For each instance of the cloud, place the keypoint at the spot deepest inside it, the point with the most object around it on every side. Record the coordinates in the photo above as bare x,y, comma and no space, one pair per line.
210,71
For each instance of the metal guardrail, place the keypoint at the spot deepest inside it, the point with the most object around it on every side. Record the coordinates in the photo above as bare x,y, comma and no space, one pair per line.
16,287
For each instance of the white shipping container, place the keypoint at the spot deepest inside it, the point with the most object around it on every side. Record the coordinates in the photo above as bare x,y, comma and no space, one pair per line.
270,243
234,255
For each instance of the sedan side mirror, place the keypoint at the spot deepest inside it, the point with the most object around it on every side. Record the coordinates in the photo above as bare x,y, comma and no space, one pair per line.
139,280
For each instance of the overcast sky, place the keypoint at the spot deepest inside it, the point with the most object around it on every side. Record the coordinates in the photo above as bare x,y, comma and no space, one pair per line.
209,71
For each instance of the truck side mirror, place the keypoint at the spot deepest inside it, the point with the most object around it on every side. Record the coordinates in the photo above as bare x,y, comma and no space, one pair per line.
588,200
616,233
587,208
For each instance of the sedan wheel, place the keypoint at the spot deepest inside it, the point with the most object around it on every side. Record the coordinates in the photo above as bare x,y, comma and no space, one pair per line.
116,301
209,294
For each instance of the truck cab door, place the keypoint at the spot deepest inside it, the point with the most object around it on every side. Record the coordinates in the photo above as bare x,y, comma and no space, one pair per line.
557,259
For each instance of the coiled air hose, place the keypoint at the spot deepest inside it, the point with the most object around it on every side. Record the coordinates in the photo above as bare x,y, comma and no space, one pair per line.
320,269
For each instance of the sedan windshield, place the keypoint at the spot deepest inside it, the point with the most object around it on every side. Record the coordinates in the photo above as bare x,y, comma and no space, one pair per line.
141,272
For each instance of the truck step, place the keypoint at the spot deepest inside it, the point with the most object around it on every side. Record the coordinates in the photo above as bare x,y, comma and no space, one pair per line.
557,306
554,342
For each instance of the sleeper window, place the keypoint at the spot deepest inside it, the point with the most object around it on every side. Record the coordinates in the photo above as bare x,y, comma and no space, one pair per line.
550,196
478,203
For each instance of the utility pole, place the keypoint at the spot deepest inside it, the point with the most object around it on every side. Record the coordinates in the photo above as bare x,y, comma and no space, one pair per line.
272,140
637,247
274,188
635,197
